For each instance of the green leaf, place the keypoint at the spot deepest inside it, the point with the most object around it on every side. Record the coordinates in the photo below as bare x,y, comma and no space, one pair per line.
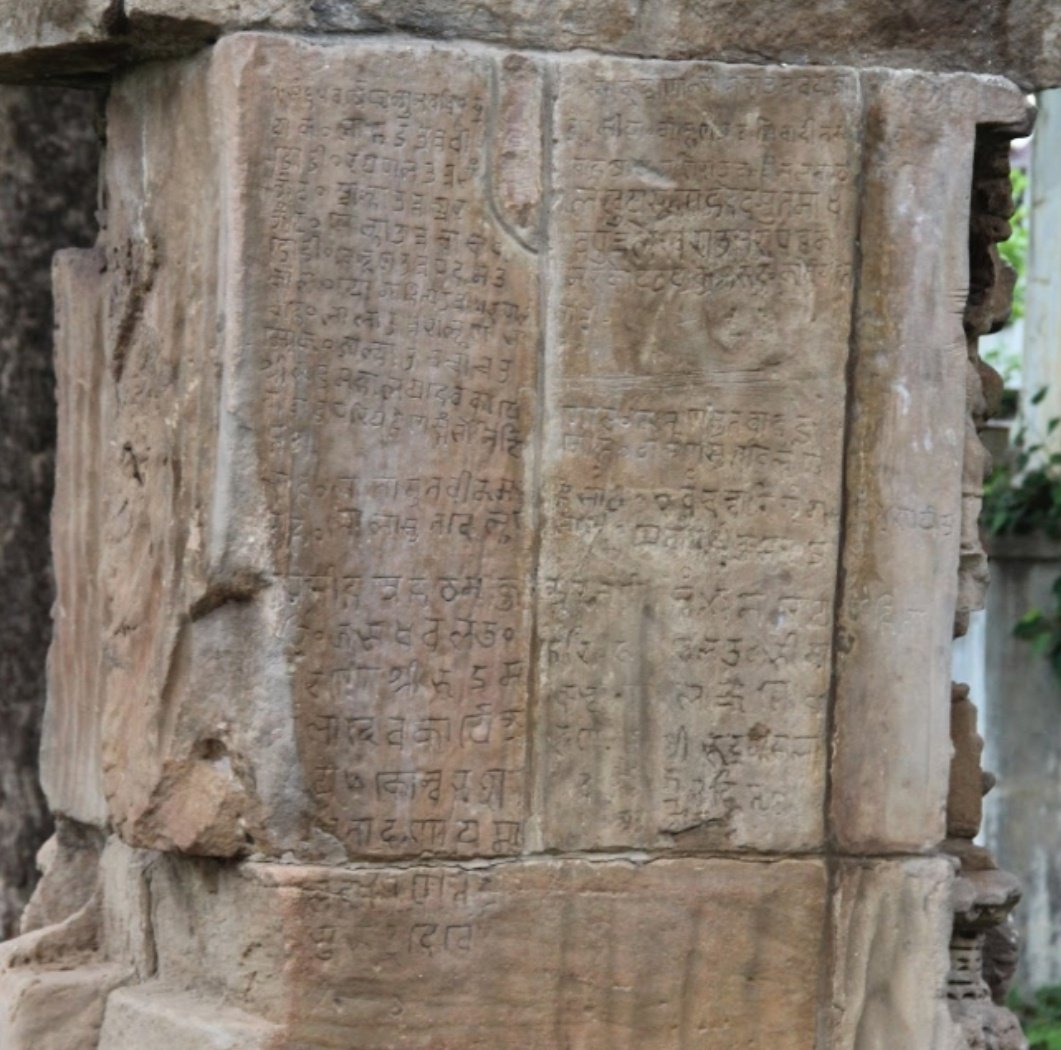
1039,394
1030,625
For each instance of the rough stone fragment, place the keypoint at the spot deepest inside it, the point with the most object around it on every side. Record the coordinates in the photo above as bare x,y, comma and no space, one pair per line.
48,159
693,451
966,790
891,924
54,977
562,952
68,862
906,448
59,1009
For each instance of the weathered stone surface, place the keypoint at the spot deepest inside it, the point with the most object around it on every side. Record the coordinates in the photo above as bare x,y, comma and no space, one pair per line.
965,792
59,1009
71,757
313,589
171,611
700,240
370,462
158,1016
891,922
560,952
324,405
68,863
48,158
906,450
389,377
481,434
1018,39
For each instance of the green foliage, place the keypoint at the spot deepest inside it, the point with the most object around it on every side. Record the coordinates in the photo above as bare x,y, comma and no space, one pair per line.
1023,497
1040,1017
1015,250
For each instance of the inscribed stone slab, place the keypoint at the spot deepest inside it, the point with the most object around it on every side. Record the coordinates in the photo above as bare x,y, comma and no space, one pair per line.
545,954
701,243
387,364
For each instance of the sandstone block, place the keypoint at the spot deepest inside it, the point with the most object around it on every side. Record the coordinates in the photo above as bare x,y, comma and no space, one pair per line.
891,923
331,546
1018,39
551,953
71,756
330,551
156,1016
906,446
474,471
693,451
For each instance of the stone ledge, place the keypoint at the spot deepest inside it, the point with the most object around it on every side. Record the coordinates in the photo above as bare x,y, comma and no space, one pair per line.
1034,547
85,39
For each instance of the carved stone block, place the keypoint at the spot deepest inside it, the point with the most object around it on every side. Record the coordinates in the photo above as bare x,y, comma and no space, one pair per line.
700,245
560,952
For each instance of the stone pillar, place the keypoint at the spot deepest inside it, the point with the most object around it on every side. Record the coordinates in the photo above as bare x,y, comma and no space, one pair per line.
48,162
525,493
1021,749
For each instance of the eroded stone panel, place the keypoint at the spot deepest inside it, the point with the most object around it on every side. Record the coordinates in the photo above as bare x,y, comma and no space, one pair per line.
387,368
700,250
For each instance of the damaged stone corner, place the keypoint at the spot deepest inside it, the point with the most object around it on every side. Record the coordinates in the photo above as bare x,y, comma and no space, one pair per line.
984,948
